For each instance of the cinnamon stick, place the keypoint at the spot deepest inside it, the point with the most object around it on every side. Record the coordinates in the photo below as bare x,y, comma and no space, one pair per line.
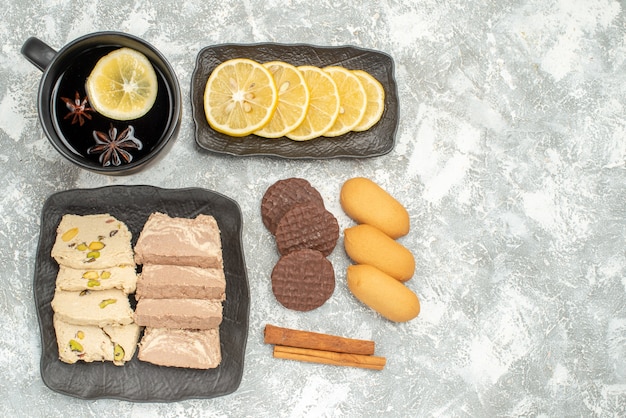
313,340
329,357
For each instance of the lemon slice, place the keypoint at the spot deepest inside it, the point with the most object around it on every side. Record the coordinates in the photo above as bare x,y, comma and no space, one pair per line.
240,97
352,100
293,100
375,100
323,104
122,85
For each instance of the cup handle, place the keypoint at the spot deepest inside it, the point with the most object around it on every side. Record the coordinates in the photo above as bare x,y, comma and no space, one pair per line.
38,53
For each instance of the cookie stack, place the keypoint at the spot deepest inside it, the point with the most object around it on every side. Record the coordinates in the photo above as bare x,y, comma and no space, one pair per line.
93,320
306,233
180,291
382,264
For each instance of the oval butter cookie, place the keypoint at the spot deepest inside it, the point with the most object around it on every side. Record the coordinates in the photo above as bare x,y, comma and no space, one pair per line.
368,245
381,292
368,203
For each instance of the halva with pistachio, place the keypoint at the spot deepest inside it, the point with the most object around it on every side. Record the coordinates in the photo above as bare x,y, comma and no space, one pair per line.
123,278
92,242
93,307
93,319
89,343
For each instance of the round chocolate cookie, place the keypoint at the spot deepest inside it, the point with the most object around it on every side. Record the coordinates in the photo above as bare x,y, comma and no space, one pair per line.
307,225
282,195
303,280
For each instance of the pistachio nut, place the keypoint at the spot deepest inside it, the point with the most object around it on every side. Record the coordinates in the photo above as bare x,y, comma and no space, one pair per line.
76,346
69,234
106,302
118,353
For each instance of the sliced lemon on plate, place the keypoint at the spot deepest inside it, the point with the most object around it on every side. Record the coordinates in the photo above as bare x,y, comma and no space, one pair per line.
293,100
352,100
240,97
122,85
323,104
375,100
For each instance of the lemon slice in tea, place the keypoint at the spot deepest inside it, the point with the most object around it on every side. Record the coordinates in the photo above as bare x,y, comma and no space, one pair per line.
240,97
122,85
293,100
323,105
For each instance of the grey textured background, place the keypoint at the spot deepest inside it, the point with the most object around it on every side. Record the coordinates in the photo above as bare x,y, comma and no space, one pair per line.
510,156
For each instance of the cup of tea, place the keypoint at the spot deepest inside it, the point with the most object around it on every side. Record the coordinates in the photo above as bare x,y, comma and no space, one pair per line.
92,139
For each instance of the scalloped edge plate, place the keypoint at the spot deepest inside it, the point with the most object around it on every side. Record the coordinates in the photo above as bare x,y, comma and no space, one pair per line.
137,380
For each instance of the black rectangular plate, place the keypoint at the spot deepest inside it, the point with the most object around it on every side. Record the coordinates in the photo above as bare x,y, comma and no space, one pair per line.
138,380
378,140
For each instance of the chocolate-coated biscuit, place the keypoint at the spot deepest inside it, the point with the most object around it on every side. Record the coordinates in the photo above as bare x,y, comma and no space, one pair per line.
307,226
282,195
303,280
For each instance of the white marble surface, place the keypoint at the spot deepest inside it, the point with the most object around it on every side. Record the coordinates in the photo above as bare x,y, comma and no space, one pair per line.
510,157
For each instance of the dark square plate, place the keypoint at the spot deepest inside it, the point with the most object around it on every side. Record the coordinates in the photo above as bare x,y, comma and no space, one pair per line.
378,140
137,380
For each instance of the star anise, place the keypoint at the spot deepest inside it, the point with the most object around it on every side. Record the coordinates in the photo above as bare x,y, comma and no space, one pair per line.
113,147
78,109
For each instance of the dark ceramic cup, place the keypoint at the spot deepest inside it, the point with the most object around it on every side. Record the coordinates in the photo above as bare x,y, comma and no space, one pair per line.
54,117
